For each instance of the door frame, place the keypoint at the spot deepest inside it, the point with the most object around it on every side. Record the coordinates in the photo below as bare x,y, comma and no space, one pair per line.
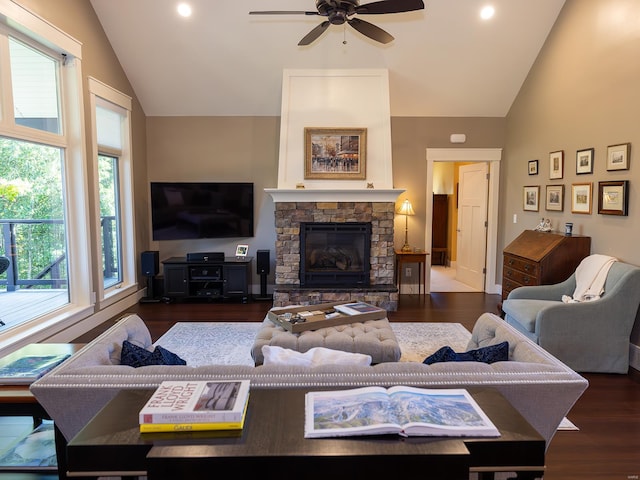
492,156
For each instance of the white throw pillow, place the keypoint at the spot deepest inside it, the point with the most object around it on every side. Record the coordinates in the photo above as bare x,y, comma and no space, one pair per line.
274,355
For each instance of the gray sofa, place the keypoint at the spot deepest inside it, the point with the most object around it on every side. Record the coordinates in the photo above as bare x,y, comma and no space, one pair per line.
541,387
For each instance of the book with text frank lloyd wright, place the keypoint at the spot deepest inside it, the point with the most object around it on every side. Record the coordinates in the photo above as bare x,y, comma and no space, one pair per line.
184,402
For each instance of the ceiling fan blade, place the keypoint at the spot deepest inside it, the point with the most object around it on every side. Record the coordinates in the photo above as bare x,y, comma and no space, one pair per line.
390,6
283,12
315,33
370,30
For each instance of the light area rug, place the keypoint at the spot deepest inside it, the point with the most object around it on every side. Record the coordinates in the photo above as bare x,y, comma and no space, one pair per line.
229,343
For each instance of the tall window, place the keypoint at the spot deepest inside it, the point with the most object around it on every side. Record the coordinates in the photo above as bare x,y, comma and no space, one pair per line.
33,224
111,121
43,191
110,224
31,174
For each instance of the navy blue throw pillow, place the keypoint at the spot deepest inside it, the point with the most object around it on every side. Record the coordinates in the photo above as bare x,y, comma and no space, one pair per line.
135,356
168,358
490,354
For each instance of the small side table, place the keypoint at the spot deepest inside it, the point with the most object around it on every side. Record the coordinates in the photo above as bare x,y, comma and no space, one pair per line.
412,257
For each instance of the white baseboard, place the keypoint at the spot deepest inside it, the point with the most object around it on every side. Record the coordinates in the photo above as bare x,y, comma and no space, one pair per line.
80,328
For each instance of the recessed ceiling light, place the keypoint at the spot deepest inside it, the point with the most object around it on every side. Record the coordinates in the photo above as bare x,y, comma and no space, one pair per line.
487,12
184,9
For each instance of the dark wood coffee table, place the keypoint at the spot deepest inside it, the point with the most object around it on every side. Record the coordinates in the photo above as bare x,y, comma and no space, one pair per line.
273,438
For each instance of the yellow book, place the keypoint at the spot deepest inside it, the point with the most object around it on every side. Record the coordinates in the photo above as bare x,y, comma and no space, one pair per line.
188,427
195,426
191,435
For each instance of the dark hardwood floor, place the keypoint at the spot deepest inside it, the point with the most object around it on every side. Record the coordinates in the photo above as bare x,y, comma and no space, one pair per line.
461,308
607,446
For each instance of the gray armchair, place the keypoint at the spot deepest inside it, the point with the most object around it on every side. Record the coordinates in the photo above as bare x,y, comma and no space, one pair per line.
588,336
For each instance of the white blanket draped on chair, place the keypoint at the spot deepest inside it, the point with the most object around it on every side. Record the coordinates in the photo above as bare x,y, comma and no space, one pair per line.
591,275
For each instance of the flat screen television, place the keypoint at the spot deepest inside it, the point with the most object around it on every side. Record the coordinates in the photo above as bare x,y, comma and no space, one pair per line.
189,210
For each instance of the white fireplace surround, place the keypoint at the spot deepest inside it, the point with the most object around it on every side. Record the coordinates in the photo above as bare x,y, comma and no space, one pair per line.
351,98
331,195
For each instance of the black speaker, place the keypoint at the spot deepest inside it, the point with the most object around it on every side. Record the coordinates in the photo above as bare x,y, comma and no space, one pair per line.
150,263
262,261
263,267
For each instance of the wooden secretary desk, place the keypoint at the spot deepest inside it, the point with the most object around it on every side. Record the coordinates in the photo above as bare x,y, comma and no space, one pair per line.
542,258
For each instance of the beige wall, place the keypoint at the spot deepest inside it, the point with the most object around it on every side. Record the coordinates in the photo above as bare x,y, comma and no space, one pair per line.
218,149
246,149
410,138
77,18
582,92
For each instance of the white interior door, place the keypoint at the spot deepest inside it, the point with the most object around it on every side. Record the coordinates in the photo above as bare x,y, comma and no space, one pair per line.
472,224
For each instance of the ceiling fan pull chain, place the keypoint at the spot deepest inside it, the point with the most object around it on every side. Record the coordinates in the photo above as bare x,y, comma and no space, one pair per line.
344,33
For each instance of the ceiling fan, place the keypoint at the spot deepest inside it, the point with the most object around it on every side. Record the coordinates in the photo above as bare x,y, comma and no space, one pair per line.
339,12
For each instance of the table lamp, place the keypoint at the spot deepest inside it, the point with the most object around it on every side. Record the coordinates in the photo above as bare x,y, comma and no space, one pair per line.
406,209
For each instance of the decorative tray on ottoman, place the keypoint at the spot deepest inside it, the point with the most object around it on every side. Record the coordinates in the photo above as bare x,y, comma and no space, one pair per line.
311,317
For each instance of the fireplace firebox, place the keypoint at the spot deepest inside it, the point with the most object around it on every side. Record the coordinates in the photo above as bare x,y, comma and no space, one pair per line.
335,254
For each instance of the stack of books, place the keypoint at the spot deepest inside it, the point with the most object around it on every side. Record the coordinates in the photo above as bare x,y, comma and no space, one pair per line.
178,406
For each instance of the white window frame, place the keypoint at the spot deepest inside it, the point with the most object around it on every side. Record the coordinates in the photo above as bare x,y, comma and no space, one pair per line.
102,94
27,26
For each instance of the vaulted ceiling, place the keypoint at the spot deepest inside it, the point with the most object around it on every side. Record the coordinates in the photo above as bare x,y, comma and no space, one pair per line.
221,61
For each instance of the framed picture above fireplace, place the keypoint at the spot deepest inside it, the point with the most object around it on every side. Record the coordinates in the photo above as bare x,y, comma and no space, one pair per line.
335,153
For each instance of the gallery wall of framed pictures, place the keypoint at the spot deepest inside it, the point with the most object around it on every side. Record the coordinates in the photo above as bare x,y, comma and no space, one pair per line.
612,194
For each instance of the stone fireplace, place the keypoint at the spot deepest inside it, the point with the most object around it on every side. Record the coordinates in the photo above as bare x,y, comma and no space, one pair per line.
377,220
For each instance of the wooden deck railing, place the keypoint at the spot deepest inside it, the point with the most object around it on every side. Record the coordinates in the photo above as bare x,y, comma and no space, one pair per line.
53,275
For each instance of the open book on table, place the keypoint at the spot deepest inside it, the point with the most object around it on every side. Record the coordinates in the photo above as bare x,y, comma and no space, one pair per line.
400,410
357,308
28,369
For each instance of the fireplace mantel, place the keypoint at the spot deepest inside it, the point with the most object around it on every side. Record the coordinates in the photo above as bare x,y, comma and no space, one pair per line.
333,195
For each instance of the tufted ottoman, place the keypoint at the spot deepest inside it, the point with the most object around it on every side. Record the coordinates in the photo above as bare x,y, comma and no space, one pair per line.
373,337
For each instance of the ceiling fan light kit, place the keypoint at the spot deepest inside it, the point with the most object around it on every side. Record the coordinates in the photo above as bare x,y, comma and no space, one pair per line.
339,12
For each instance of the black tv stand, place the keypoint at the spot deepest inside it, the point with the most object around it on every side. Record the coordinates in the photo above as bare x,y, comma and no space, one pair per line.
213,280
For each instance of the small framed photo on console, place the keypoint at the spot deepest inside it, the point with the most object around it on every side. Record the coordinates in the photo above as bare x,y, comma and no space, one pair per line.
241,251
